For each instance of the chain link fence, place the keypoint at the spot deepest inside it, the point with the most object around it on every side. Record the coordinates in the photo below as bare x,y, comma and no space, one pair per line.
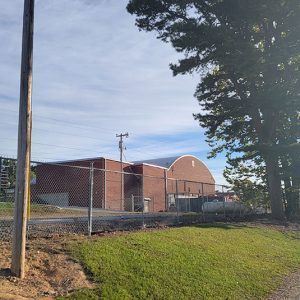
84,197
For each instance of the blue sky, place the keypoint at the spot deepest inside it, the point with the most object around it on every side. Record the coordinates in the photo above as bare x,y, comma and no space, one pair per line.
96,75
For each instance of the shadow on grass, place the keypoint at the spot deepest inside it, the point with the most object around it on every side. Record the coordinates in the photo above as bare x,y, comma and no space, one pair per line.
83,294
225,226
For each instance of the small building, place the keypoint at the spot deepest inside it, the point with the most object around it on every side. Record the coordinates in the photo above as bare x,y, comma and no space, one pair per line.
159,182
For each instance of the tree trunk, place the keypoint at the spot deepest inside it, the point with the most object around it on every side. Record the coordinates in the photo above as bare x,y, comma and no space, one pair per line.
296,185
292,197
295,198
286,177
274,184
288,195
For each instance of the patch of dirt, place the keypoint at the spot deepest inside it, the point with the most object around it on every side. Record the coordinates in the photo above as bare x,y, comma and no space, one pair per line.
283,226
49,271
289,290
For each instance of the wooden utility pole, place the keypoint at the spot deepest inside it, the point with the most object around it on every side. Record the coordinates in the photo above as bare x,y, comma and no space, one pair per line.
24,144
121,147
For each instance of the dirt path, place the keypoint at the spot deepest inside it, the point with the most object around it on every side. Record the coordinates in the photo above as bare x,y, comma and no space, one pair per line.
289,290
50,272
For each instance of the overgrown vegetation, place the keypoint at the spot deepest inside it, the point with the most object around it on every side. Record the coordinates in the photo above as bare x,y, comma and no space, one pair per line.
206,262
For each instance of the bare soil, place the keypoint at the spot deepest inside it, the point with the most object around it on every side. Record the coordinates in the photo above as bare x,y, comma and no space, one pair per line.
50,271
289,290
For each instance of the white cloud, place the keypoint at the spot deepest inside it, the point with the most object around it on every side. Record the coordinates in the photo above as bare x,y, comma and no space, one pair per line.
97,74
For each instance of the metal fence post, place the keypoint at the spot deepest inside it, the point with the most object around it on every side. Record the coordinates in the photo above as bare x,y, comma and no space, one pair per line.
186,206
143,202
143,208
90,211
177,202
202,201
223,201
132,203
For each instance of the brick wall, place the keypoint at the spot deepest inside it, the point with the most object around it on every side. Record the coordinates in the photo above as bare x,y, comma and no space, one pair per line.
64,178
59,179
113,184
190,168
154,187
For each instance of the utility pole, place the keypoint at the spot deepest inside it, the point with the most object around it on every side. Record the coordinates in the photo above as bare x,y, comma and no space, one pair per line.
24,144
121,148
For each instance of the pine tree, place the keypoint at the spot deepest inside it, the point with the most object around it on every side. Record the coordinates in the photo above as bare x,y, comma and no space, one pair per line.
247,53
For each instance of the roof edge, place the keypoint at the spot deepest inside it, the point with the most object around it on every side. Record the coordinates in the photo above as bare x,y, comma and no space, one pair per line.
150,165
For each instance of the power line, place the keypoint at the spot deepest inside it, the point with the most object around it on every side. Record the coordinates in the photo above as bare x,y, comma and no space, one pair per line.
71,124
73,148
125,157
88,137
82,127
14,148
151,154
56,146
57,132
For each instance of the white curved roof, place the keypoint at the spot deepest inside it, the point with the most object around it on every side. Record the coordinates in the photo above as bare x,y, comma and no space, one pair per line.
165,162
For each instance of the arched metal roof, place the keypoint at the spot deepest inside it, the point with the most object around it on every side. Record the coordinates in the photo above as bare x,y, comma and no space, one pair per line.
165,162
168,162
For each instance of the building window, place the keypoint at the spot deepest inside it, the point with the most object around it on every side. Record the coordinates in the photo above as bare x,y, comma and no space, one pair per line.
193,163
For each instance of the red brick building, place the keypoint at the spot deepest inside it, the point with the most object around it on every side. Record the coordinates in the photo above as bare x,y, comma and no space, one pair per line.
158,181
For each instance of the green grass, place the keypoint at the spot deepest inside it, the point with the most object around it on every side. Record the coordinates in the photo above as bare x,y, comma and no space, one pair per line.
208,262
6,205
7,209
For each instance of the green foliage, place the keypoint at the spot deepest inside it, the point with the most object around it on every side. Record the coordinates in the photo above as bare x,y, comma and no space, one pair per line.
11,170
6,208
9,167
208,262
253,194
247,54
248,179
